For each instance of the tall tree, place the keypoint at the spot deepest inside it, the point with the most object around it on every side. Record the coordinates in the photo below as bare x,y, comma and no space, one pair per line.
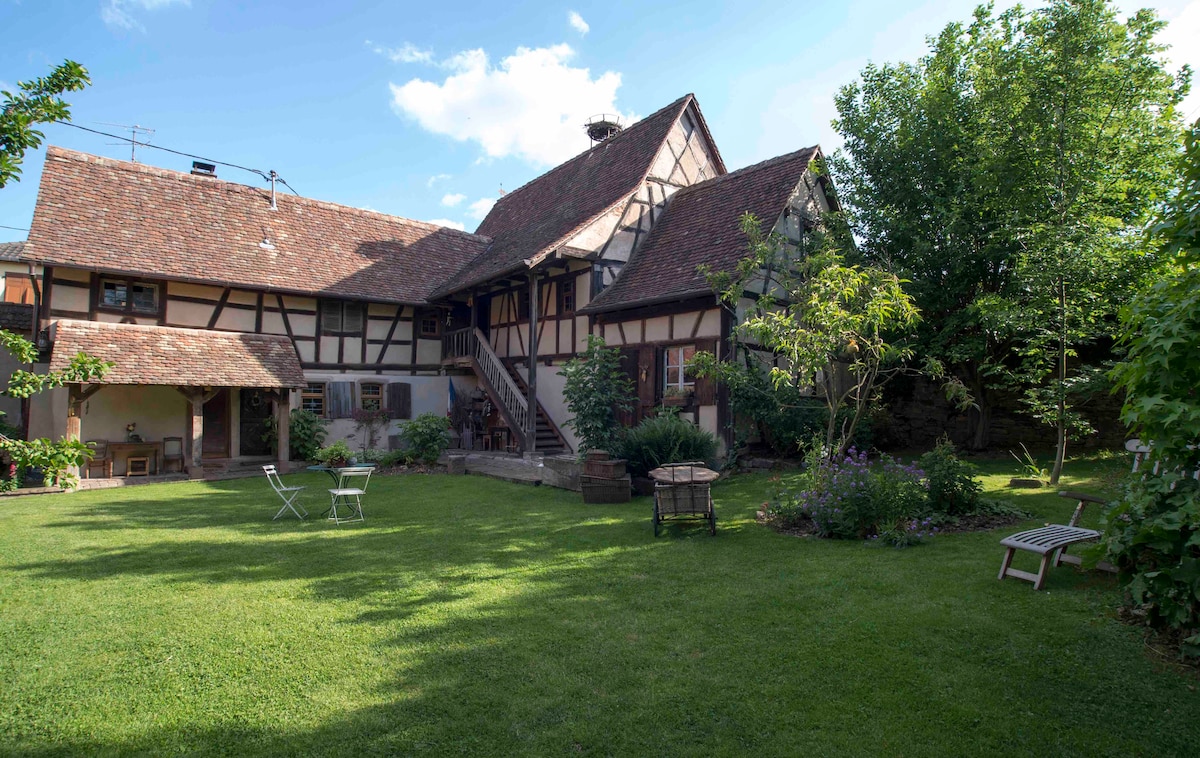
35,102
38,102
1007,175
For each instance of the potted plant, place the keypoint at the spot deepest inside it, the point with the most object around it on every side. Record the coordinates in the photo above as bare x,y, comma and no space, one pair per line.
336,455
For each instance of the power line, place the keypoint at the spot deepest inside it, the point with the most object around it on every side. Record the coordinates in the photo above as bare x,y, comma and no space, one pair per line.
263,174
14,228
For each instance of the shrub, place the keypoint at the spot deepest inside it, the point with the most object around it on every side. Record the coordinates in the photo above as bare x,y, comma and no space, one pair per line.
368,424
336,454
426,437
953,489
787,420
596,390
665,438
306,434
852,498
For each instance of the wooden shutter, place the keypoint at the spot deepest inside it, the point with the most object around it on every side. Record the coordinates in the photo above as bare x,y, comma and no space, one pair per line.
399,400
649,370
352,319
340,399
706,391
17,289
629,365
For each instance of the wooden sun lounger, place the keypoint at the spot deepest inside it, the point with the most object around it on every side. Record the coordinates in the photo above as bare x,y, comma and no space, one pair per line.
1051,542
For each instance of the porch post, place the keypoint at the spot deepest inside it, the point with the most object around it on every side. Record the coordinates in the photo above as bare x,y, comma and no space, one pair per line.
76,395
197,402
531,433
74,424
283,418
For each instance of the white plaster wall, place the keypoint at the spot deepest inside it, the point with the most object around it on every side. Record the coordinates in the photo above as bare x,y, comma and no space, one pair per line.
429,395
550,395
11,406
158,412
48,411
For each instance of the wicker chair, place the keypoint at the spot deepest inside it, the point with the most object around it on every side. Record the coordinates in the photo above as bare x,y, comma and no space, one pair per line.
686,501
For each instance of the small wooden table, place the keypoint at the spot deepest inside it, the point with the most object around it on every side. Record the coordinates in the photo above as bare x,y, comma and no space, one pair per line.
120,451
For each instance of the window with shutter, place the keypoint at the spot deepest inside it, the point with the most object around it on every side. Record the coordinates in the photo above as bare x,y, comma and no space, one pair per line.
399,400
17,289
340,399
343,318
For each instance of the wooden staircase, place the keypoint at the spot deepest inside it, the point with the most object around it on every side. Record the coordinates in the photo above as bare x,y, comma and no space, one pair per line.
549,439
505,387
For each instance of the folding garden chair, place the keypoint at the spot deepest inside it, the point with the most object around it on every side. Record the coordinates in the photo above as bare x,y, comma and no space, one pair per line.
289,495
348,495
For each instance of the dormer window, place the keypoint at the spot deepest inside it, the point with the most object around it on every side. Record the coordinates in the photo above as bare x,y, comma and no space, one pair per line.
128,296
341,318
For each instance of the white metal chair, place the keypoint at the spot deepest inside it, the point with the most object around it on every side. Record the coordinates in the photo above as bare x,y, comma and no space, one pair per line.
289,495
347,495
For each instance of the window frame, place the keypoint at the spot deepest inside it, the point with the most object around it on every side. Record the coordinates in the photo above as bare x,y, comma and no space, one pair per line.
428,318
566,291
307,394
128,307
343,307
378,396
685,384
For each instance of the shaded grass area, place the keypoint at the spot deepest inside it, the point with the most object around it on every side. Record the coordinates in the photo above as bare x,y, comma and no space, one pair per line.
469,616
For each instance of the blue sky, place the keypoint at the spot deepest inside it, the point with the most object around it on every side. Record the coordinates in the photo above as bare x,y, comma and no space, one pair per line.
426,110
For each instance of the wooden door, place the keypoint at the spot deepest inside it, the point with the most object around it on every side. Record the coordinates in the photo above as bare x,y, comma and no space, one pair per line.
216,426
255,410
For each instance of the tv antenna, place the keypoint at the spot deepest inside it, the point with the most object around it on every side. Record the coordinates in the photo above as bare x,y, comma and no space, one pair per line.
134,131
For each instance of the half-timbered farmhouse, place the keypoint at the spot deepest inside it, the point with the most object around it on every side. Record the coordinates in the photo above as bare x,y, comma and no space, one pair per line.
224,306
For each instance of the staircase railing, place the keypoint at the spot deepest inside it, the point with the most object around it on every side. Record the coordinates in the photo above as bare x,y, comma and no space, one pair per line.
471,343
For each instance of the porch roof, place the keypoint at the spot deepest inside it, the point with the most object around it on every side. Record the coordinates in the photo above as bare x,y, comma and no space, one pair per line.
179,357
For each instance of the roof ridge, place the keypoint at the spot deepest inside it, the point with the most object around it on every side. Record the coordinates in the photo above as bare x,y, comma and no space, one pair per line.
751,168
102,325
236,187
593,148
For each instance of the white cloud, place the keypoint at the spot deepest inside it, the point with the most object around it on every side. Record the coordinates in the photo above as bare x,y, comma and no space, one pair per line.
452,199
532,105
407,53
479,209
1183,29
119,13
437,178
577,23
448,223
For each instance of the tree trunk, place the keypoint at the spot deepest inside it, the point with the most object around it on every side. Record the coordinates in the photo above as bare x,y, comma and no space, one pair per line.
981,435
1060,448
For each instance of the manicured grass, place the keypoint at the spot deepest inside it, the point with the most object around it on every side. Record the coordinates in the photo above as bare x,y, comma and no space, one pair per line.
474,617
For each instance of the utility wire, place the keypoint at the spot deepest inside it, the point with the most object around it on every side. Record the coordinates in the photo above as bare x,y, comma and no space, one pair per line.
263,174
14,228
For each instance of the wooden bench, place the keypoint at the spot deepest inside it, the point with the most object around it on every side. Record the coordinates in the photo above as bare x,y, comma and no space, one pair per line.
1051,542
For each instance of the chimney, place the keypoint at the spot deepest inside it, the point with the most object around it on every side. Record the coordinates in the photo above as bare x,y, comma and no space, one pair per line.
200,168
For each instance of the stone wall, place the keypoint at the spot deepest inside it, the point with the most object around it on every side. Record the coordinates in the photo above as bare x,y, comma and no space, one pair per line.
917,414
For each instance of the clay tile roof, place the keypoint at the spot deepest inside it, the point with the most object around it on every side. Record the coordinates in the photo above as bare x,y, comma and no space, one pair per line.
179,357
700,226
545,212
11,251
16,317
113,216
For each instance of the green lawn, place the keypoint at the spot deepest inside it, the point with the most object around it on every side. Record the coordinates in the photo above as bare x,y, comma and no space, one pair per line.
475,617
